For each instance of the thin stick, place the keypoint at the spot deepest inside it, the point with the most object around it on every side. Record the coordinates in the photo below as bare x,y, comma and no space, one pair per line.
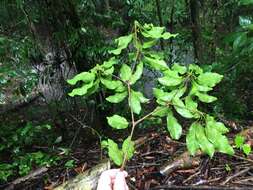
236,175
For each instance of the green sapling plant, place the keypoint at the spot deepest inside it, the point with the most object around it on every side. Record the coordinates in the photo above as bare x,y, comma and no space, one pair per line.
178,92
240,144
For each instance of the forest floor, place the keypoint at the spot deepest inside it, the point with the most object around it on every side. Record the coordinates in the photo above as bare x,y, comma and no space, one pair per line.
155,151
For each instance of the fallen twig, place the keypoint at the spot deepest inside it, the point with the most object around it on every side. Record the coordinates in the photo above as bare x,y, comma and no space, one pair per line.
235,175
32,175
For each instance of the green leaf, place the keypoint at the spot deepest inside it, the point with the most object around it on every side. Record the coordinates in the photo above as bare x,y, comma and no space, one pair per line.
161,111
125,72
123,42
169,81
181,109
156,63
179,68
204,143
190,104
205,97
164,96
94,88
135,102
128,148
180,92
86,77
104,144
195,68
171,78
196,87
191,139
246,149
173,126
121,87
239,141
246,2
108,71
216,125
149,44
118,97
111,84
141,97
117,122
168,35
115,153
81,91
152,31
108,64
219,141
209,79
137,75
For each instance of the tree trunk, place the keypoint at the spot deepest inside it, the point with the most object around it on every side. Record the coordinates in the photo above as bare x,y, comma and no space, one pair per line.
196,30
159,14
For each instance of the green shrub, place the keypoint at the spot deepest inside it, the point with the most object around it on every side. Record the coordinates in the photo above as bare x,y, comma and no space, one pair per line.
177,93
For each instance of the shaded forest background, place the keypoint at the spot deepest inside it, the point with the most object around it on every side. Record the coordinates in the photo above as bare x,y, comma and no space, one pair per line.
44,43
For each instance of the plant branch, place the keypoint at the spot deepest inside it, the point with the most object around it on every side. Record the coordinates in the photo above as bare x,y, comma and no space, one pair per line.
146,116
133,124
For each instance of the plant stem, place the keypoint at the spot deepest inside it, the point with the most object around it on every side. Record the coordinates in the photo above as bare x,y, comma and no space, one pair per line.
146,116
133,124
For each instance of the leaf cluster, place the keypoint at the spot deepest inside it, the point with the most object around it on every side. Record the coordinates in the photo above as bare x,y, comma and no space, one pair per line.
179,90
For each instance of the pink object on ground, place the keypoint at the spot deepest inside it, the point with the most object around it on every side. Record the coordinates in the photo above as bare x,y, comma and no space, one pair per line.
113,179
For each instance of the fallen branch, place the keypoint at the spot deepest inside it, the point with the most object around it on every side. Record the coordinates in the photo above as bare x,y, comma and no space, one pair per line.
87,180
33,175
183,161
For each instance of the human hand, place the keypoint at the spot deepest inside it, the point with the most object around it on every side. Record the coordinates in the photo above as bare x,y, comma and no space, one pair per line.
113,179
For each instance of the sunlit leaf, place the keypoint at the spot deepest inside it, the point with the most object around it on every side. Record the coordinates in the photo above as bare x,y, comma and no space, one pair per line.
167,35
111,84
137,74
125,72
81,91
117,122
181,108
116,98
179,68
108,64
209,79
205,145
128,147
205,97
239,141
173,126
191,139
161,111
114,152
123,42
156,63
149,44
164,96
86,77
246,149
